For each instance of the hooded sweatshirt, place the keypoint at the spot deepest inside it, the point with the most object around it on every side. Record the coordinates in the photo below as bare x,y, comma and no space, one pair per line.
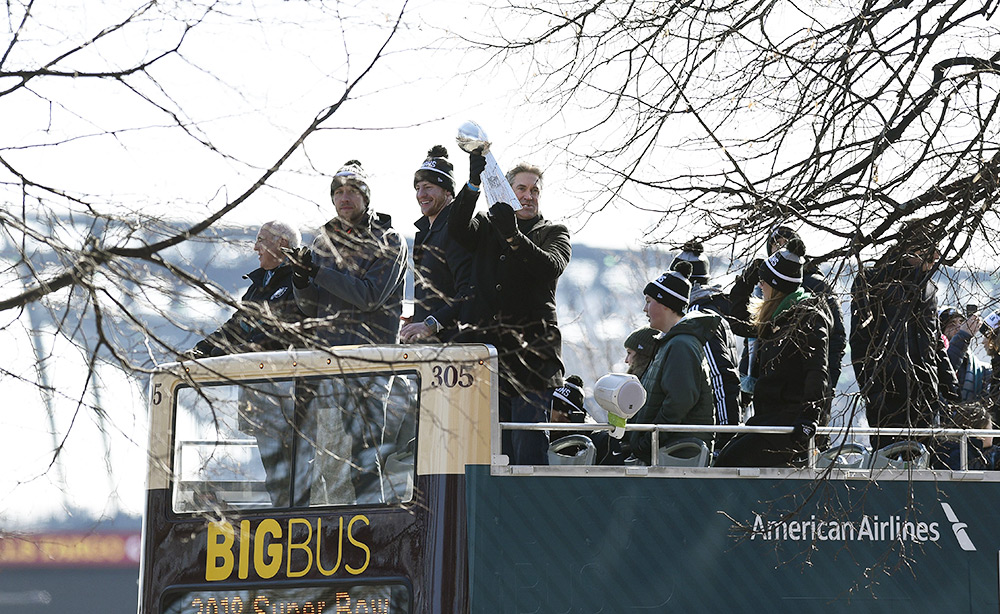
678,390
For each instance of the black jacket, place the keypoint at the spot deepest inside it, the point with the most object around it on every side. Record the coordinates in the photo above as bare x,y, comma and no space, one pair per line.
813,282
721,353
791,359
896,345
264,321
442,278
514,294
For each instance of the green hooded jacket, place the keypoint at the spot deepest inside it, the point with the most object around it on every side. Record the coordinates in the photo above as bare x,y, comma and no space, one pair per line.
678,390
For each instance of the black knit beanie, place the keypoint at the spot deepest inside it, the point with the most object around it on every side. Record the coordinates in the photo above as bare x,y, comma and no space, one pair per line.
673,288
779,232
783,269
436,169
692,252
569,398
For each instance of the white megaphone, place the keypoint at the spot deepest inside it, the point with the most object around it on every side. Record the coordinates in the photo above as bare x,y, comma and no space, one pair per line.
622,396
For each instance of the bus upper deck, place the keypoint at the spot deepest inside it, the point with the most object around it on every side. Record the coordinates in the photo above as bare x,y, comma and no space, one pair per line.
370,479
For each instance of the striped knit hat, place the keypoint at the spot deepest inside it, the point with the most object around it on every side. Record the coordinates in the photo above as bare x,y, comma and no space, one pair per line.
693,252
783,269
569,398
352,174
673,288
437,170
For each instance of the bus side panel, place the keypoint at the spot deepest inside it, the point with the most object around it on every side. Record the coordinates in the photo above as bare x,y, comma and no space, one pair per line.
166,558
445,553
623,544
422,544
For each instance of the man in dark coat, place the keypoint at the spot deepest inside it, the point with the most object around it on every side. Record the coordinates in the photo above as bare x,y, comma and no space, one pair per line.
896,347
519,257
267,320
678,390
720,348
268,314
351,280
442,276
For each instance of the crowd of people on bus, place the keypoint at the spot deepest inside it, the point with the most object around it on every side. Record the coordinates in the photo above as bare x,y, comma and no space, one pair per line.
490,277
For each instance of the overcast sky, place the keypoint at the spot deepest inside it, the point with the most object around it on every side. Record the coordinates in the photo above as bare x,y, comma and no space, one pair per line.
251,82
248,83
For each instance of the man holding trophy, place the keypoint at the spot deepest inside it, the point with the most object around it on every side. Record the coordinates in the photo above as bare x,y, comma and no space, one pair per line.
519,257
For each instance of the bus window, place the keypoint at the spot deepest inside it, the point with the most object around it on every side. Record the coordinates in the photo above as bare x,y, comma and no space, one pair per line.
334,440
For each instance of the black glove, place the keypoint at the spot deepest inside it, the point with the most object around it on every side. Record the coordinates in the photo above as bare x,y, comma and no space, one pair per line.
804,431
751,274
303,268
744,284
502,217
477,164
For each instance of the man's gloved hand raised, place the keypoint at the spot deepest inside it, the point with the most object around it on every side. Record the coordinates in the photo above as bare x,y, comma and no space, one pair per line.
477,164
502,217
303,269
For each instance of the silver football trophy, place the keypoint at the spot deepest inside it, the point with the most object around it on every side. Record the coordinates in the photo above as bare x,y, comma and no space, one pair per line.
472,139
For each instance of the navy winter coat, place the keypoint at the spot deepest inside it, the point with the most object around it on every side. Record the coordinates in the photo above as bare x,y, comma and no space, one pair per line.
442,277
357,295
265,321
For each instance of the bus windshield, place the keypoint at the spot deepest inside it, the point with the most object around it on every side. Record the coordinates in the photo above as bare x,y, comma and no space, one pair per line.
295,442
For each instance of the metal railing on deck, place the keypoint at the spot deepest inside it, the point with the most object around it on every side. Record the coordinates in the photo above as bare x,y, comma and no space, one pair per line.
962,435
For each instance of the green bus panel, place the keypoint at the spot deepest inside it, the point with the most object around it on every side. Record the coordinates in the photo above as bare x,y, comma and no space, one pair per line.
638,544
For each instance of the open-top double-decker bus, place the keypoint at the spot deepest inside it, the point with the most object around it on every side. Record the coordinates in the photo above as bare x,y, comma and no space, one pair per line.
370,479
